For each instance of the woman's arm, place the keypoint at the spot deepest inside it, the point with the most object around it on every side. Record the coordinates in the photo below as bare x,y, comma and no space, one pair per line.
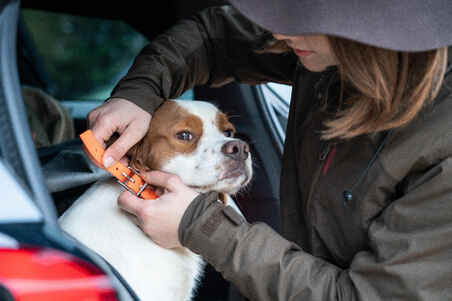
214,47
410,255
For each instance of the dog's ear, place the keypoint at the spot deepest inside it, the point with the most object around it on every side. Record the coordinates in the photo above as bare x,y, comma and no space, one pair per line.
222,197
139,155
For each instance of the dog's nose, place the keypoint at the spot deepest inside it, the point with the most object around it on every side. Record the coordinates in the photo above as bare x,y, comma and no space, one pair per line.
236,149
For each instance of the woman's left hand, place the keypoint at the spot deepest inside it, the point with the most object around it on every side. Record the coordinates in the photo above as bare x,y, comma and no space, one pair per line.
160,218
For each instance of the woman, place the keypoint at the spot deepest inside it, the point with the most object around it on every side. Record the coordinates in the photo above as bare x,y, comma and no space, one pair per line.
366,189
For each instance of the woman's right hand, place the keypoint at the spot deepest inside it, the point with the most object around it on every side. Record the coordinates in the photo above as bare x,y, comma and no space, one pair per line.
120,116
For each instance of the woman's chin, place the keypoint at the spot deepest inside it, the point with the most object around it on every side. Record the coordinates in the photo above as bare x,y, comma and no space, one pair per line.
312,65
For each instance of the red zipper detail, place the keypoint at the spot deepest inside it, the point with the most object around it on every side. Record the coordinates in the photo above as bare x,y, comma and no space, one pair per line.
328,160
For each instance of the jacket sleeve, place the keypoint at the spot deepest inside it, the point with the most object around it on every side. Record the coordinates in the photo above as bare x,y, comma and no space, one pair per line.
409,257
214,47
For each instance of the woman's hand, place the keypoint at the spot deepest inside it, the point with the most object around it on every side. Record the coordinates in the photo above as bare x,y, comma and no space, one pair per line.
121,116
160,218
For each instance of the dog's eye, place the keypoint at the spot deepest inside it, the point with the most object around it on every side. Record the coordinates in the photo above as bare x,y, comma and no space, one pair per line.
228,133
184,135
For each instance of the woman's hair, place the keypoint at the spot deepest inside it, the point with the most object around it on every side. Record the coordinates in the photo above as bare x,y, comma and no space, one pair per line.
388,88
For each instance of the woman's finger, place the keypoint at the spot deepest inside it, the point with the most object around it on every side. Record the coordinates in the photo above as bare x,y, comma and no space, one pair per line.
121,146
130,203
162,179
125,161
123,117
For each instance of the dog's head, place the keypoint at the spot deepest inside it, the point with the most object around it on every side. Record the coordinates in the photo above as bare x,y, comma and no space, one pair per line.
195,141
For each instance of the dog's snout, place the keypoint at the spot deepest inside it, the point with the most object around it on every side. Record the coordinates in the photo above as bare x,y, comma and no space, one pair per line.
236,149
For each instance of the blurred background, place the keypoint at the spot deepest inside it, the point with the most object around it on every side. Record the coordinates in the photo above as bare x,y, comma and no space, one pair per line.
79,62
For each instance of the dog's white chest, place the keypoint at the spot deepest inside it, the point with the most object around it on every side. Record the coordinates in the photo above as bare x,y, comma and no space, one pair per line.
153,272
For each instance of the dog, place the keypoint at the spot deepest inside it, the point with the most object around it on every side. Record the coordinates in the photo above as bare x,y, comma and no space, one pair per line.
193,140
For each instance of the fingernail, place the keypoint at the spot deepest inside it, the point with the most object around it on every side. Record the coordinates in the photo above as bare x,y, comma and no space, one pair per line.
108,161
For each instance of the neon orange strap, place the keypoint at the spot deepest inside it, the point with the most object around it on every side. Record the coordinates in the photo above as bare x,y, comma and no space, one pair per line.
126,176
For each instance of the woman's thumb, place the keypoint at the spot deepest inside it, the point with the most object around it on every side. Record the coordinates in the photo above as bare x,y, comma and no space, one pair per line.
120,147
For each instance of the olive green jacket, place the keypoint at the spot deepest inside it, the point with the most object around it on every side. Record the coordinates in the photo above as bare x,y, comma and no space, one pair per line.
369,218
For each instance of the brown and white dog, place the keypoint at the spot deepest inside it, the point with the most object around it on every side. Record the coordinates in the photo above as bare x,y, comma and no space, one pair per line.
191,139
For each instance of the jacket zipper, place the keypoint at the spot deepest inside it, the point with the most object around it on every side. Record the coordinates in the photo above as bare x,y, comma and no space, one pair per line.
325,152
322,156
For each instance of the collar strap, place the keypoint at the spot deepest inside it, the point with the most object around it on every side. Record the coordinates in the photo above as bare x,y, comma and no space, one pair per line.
126,176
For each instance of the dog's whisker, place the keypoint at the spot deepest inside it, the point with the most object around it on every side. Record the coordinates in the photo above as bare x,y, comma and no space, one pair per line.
234,116
255,165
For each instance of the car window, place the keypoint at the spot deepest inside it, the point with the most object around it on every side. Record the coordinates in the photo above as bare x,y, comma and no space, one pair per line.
83,57
277,101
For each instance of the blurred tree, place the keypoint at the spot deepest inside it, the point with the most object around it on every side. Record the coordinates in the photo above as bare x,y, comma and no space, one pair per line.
84,57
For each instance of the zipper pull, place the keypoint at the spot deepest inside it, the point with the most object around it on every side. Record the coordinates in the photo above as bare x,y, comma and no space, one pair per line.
327,154
324,153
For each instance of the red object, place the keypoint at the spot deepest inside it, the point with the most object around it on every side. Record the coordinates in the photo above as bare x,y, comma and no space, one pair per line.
34,274
328,160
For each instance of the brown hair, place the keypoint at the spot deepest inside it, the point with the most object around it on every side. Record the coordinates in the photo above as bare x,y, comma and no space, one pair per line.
389,88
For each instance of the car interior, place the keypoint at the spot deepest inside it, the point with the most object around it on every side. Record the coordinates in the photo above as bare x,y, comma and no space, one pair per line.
58,92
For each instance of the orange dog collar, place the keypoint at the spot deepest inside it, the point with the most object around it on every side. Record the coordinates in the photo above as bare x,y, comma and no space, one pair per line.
126,176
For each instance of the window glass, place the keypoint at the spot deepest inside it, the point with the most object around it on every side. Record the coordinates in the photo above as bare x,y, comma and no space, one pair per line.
83,57
277,101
